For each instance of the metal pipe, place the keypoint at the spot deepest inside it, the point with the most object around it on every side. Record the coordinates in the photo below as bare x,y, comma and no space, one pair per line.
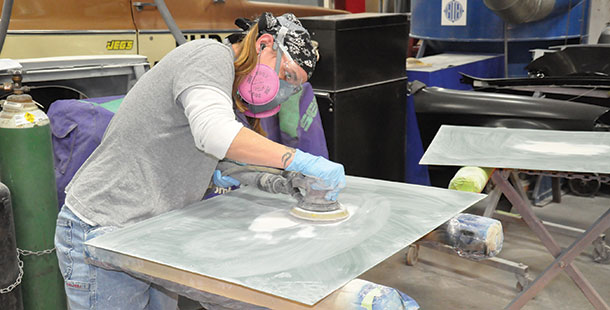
169,21
521,11
386,6
505,49
7,8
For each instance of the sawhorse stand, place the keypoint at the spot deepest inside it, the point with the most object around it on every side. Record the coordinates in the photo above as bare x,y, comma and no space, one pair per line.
563,259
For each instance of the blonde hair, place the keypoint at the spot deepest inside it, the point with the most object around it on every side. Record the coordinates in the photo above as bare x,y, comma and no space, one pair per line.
245,62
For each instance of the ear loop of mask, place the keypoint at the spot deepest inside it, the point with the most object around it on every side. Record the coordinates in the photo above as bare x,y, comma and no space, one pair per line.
278,45
255,73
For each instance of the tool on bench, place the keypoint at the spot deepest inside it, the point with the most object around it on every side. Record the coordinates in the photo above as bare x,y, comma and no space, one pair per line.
311,204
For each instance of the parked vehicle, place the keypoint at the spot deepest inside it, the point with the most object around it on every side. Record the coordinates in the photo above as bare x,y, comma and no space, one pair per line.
126,27
109,34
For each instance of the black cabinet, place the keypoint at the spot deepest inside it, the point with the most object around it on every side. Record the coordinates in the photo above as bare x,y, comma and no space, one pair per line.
358,49
365,129
360,85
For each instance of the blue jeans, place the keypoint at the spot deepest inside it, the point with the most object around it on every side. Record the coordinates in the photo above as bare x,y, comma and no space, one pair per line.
91,287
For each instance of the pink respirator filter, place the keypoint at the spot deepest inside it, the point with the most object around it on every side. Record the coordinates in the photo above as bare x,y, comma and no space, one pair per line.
260,86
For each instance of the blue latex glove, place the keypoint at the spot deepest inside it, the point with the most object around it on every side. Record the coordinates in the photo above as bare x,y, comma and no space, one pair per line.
331,174
224,181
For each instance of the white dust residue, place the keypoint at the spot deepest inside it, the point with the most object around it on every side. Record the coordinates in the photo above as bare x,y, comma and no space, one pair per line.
283,275
277,220
562,148
277,242
266,224
272,221
263,236
307,231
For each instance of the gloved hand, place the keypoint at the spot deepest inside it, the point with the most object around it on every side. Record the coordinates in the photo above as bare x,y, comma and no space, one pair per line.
224,181
331,174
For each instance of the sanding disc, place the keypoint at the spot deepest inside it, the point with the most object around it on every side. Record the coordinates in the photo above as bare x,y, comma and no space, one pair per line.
327,216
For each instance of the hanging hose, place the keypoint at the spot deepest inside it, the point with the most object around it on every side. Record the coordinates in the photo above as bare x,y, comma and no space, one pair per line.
251,175
7,8
526,11
59,86
521,11
229,168
169,21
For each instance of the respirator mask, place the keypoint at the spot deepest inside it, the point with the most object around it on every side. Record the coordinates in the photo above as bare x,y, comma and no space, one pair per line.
262,89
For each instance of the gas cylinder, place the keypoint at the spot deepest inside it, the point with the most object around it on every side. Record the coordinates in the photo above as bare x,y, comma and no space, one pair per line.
10,277
26,168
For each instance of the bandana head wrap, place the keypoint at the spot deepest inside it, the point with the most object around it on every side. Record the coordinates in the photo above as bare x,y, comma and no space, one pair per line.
296,38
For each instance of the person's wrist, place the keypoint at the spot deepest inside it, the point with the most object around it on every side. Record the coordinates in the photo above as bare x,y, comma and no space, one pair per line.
291,163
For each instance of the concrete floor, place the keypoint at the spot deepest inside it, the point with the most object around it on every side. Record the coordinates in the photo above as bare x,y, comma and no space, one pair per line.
444,281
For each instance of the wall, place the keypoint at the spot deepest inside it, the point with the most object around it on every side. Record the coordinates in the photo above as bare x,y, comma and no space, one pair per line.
600,15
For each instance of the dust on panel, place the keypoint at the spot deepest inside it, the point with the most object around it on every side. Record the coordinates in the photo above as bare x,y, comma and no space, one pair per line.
247,237
533,149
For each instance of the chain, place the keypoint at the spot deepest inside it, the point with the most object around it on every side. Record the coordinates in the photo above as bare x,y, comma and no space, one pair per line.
37,253
18,281
21,252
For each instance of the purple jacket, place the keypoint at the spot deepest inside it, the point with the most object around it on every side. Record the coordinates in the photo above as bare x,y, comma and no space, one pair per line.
305,132
77,128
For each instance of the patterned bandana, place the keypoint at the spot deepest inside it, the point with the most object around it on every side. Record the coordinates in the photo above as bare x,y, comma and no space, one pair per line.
296,39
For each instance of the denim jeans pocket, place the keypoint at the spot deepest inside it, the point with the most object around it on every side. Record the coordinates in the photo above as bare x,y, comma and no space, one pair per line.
69,248
64,247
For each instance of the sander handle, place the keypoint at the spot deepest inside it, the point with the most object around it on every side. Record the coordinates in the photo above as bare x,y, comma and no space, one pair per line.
271,180
277,181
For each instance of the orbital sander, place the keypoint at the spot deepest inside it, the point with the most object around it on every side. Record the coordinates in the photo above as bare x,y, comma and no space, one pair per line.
311,204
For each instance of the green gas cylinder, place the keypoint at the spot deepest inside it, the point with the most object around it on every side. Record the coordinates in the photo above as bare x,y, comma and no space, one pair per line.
26,168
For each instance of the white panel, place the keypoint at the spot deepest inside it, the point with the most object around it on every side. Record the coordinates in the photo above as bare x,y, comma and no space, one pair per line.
248,238
454,12
528,149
